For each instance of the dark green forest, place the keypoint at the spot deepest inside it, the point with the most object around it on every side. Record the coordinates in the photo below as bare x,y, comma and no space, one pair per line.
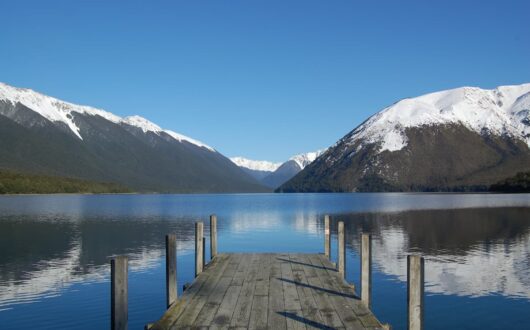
520,183
23,183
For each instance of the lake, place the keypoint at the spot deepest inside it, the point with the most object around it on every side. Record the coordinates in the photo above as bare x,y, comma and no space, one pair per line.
55,250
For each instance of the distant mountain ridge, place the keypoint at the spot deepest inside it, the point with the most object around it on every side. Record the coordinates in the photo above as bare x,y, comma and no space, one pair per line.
461,139
274,174
44,135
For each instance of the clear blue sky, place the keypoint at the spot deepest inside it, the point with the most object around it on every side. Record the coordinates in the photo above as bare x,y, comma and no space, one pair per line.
261,79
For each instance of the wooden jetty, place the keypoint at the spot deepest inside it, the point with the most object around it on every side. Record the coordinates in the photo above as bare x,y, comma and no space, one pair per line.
269,290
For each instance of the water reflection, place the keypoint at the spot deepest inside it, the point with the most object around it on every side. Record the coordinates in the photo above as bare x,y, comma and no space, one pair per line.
473,252
49,244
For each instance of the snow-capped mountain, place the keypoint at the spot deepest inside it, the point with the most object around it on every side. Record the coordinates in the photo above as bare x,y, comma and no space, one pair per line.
274,174
500,111
42,134
305,159
459,139
56,110
256,165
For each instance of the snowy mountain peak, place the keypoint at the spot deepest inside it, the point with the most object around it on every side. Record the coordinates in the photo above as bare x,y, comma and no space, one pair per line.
142,123
501,111
305,159
256,165
56,110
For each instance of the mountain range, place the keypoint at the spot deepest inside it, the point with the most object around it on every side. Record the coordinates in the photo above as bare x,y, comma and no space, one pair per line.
455,140
461,139
273,175
44,135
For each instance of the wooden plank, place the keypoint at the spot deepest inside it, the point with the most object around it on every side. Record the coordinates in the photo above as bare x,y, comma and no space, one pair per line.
260,300
269,291
309,306
293,309
366,317
176,310
325,307
276,301
194,307
241,315
227,308
215,297
337,298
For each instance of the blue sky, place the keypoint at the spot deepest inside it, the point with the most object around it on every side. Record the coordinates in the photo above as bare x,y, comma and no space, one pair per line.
260,79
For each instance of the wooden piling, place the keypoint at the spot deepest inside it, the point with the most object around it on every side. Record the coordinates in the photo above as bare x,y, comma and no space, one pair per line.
366,269
213,236
199,234
118,293
204,251
341,250
327,238
171,269
415,290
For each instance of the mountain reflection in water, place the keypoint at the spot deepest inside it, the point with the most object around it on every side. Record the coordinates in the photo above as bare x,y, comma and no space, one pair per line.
49,249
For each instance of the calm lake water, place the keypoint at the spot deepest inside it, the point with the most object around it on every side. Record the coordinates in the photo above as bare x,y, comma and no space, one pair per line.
55,249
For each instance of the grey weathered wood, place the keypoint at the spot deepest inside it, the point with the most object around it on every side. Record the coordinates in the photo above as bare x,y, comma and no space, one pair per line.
119,293
213,236
333,283
197,295
326,309
415,287
260,301
366,269
199,234
204,251
292,300
327,238
276,298
309,306
171,269
268,291
216,296
341,250
241,315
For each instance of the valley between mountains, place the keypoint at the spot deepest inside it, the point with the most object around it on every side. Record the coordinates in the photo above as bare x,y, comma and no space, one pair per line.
464,139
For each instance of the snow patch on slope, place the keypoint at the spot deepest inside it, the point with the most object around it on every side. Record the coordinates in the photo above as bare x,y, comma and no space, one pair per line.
56,110
501,111
147,126
305,159
256,165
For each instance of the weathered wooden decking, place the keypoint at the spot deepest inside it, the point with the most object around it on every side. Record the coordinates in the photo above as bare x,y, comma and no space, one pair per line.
269,291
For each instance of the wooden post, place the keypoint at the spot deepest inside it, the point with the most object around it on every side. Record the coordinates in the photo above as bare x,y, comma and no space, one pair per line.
199,234
327,239
118,293
415,287
213,236
366,269
204,251
341,250
171,269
